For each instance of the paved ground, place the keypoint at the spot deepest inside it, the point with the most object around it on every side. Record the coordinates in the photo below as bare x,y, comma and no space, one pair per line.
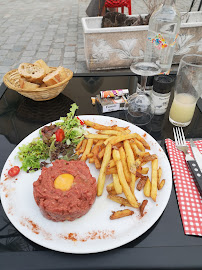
51,30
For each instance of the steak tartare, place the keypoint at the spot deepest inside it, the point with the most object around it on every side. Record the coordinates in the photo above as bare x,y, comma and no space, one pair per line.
58,205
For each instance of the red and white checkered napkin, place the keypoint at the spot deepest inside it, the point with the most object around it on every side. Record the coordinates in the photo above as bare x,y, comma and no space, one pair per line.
189,200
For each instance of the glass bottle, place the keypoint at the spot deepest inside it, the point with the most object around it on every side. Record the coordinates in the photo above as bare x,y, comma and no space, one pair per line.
164,26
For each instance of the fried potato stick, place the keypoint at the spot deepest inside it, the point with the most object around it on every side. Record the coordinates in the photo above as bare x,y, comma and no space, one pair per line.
112,170
126,189
83,147
154,179
87,150
96,136
125,165
159,174
122,138
121,213
102,174
160,186
103,127
146,145
147,188
139,145
79,145
117,185
118,199
131,163
110,132
142,207
110,187
109,139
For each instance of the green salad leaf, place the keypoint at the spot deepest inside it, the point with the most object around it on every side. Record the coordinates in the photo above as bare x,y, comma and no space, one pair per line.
40,149
32,153
74,131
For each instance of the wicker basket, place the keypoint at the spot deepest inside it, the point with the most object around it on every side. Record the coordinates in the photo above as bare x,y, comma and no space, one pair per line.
11,80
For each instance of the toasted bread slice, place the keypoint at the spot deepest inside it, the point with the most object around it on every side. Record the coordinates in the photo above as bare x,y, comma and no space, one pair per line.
55,77
27,85
42,64
31,72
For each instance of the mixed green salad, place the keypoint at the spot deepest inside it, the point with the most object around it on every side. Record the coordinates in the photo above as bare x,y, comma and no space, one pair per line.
56,141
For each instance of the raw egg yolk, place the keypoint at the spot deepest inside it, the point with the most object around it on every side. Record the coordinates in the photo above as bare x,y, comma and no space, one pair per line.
64,181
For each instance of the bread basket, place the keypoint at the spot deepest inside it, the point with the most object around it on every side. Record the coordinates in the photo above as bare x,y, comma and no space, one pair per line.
11,80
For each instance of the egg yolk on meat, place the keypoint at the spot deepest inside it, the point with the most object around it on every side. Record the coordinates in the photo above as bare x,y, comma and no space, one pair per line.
64,181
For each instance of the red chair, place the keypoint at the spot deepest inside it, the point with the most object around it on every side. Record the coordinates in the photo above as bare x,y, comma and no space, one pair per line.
119,3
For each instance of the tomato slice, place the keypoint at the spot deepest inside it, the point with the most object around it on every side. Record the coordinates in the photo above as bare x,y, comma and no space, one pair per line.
81,122
60,135
14,171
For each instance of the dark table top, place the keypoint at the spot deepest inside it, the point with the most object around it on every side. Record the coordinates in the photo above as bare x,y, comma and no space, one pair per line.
163,246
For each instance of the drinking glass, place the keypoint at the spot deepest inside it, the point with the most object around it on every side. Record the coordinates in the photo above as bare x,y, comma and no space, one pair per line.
139,109
188,89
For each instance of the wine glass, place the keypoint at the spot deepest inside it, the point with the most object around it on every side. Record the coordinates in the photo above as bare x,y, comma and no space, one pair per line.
139,108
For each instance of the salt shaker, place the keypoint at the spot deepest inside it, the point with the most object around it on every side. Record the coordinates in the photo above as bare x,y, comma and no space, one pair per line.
160,95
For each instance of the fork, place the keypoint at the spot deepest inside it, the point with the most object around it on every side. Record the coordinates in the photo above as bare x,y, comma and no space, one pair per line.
181,145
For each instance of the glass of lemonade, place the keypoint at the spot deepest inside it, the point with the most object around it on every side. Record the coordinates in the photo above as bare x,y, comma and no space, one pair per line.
188,89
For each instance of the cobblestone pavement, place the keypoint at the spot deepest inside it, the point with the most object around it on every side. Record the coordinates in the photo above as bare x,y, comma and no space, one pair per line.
51,30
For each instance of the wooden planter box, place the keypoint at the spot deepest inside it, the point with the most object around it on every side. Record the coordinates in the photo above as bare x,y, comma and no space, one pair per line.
115,47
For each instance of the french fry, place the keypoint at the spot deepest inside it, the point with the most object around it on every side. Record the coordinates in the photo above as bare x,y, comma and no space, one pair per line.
147,188
103,127
160,186
90,155
91,160
137,151
159,173
146,145
117,145
143,170
110,187
117,185
102,175
131,163
95,125
122,138
121,213
79,145
142,183
125,165
96,148
101,153
96,136
87,150
126,189
111,164
139,145
83,147
112,170
154,179
109,139
137,162
110,132
112,192
142,207
118,199
148,158
97,163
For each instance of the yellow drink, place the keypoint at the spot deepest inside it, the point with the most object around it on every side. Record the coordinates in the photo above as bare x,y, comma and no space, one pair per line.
182,109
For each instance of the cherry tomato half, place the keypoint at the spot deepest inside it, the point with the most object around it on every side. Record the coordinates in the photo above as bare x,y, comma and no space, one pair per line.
81,122
60,135
14,171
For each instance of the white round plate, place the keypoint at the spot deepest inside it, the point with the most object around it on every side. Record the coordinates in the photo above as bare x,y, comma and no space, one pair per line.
94,232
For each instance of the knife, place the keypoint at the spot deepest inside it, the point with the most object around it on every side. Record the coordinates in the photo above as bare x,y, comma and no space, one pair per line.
197,154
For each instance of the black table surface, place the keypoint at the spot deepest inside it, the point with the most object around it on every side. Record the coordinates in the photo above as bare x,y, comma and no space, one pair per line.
163,246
